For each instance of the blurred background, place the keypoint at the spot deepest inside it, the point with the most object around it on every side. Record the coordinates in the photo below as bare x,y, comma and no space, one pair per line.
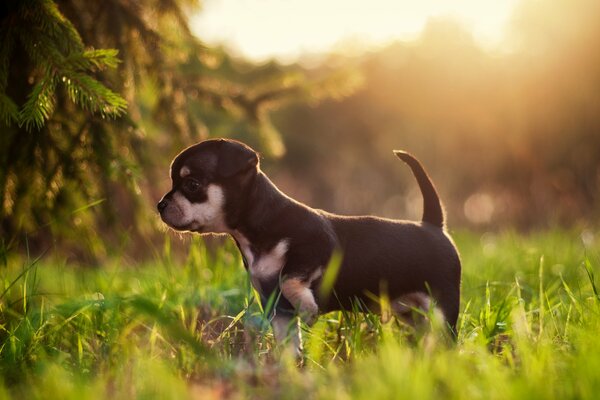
499,100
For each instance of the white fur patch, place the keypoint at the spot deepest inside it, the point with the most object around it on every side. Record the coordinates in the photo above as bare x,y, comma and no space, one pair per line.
266,265
269,264
315,275
286,332
207,216
185,171
283,325
298,293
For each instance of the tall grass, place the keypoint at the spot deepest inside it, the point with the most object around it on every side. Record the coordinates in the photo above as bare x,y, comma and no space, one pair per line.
528,329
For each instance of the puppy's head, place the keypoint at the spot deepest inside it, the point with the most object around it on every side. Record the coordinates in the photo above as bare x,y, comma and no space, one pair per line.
210,181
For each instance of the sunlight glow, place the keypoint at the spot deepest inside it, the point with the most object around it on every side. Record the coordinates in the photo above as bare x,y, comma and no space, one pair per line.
285,29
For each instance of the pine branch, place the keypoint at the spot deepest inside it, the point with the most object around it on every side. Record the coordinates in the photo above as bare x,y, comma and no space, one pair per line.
90,60
102,58
44,15
9,112
39,105
56,49
90,94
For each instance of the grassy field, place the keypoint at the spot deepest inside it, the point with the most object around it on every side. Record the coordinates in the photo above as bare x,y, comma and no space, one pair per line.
529,328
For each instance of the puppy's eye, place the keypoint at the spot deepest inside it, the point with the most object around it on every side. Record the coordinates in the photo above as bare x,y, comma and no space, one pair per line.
191,185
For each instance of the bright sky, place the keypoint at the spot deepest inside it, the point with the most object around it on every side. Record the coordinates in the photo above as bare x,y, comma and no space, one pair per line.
285,29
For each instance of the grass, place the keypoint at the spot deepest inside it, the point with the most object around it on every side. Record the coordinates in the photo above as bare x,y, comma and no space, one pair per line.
528,329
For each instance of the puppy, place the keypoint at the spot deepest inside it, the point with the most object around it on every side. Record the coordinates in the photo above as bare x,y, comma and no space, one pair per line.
286,246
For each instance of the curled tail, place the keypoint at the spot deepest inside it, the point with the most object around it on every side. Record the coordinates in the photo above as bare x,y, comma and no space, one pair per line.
432,207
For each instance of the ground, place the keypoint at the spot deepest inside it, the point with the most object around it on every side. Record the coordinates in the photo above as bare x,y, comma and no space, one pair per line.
528,328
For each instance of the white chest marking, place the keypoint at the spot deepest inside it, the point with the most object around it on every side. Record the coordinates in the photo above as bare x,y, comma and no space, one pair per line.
265,265
271,263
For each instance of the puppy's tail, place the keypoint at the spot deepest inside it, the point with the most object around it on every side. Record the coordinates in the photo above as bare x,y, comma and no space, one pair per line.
433,212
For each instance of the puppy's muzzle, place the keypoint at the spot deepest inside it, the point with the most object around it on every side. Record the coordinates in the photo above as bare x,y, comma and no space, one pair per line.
162,205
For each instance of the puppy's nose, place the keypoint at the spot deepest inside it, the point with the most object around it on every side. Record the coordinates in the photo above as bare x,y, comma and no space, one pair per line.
162,205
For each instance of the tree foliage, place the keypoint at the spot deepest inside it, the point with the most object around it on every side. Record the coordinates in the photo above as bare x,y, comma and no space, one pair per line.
57,57
94,94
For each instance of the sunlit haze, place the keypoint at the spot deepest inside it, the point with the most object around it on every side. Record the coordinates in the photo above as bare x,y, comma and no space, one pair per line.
286,29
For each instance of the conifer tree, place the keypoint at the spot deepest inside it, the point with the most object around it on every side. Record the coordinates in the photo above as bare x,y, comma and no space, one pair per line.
88,90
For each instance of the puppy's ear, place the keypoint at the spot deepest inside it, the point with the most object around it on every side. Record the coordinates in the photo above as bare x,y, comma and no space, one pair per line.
234,158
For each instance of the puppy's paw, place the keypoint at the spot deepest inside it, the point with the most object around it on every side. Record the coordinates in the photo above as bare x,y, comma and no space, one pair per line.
308,316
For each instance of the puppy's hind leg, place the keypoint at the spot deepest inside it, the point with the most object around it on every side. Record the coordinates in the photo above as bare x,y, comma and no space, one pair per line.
415,308
449,303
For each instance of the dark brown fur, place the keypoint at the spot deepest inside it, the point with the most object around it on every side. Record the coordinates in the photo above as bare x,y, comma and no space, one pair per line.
395,256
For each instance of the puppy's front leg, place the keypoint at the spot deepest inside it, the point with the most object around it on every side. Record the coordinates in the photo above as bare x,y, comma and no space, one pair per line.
297,292
287,334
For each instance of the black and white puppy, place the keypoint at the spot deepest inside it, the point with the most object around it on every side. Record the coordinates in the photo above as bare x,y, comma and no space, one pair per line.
218,187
